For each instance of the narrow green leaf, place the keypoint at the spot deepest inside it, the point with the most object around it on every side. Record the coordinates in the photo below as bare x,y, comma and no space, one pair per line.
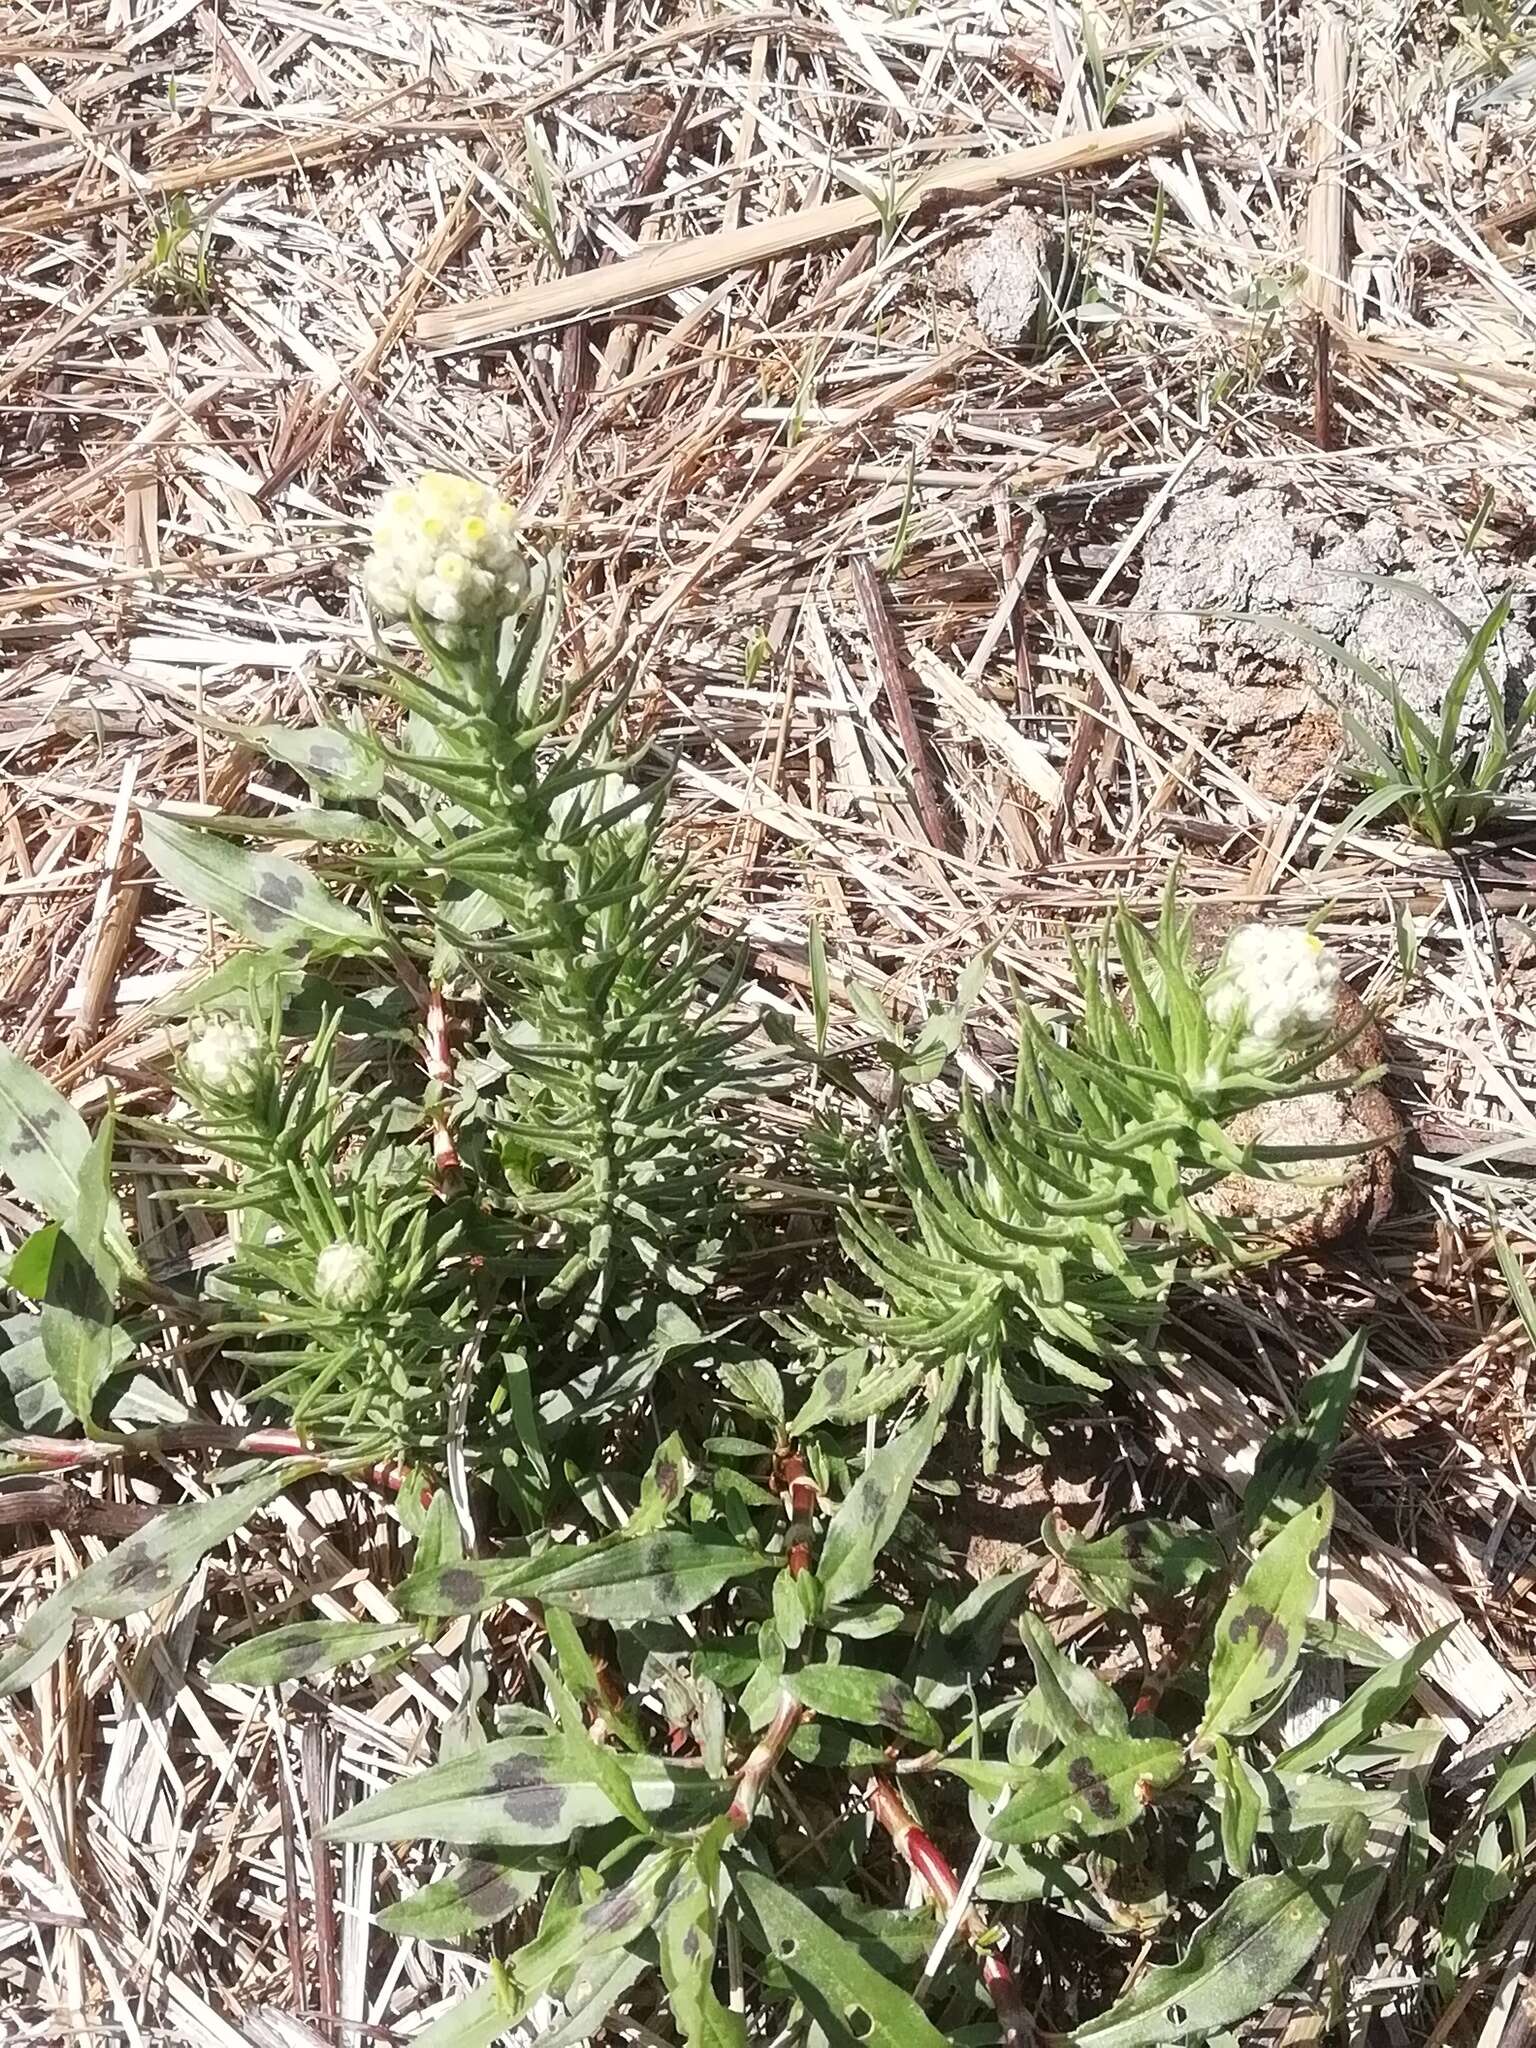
849,1999
1260,1631
1372,1704
628,1579
262,895
333,760
1094,1787
76,1325
43,1140
1148,1556
1295,1458
524,1791
476,1893
1251,1948
1243,1804
305,1648
141,1571
965,1646
601,1767
866,1520
687,1963
846,1692
616,1920
1072,1700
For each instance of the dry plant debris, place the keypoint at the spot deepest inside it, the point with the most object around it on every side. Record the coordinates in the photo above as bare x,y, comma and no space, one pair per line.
197,399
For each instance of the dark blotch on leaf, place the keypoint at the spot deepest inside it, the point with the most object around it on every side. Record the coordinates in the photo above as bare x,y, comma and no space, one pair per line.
873,1503
462,1587
1269,1630
527,1796
691,1943
669,1593
1082,1777
276,898
666,1479
28,1135
892,1708
142,1575
611,1913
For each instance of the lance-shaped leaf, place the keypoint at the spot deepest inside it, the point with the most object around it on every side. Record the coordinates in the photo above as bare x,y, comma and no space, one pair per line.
304,1649
1260,1631
1092,1787
45,1153
846,1996
262,895
1149,1557
1072,1701
687,1940
1368,1708
477,1893
966,1644
581,1934
480,2019
1244,1804
138,1573
525,1791
628,1579
866,1520
1295,1458
332,760
847,1692
1250,1949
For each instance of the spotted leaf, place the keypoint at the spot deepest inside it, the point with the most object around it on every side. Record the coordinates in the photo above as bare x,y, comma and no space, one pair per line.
261,895
1093,1787
866,1519
1259,1633
305,1648
847,1692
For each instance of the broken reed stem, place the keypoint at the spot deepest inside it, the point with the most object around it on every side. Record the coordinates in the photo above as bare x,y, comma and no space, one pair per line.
931,1868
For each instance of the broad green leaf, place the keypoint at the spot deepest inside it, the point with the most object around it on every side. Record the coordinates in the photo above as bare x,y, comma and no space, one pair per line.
848,1693
850,2000
601,1767
305,1648
616,1920
43,1140
866,1520
1371,1705
1072,1700
1138,1557
1251,1948
480,2019
834,1385
475,1894
591,1995
1483,1874
524,1791
262,895
667,1479
1243,1804
28,1272
624,1579
334,761
137,1574
1260,1631
76,1327
688,1960
967,1641
1295,1458
1094,1787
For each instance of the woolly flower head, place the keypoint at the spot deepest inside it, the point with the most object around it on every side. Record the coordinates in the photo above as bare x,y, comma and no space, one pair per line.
226,1058
348,1276
449,548
1279,985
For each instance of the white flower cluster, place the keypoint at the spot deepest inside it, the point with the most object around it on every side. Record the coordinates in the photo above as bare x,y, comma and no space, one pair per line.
226,1058
448,547
1277,984
348,1276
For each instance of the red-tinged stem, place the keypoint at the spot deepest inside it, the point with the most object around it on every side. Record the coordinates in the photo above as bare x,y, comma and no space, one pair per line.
1157,1680
439,1064
931,1867
62,1454
764,1761
793,1480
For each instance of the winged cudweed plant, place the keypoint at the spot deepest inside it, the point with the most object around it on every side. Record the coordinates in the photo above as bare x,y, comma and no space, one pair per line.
1035,1240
